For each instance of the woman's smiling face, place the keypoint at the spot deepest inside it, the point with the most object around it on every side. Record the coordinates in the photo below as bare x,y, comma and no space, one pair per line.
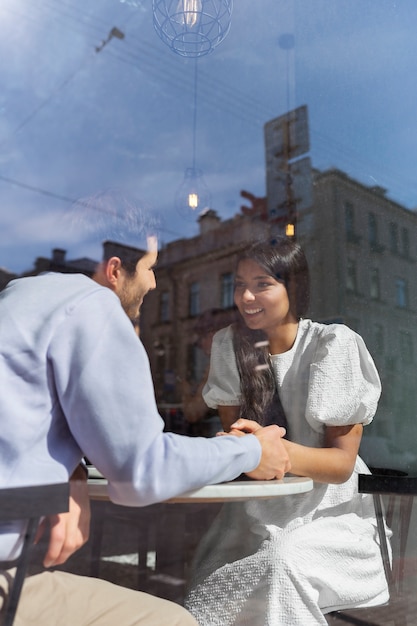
261,299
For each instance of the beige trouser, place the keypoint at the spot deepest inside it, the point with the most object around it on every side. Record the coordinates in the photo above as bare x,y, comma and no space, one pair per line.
62,599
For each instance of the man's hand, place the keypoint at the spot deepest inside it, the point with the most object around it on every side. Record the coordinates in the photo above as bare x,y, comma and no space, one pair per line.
275,461
68,531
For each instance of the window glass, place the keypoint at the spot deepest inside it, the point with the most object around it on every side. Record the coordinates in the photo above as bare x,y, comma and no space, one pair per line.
401,293
372,230
378,340
194,301
227,290
164,304
405,242
375,284
393,237
406,346
291,118
351,276
349,219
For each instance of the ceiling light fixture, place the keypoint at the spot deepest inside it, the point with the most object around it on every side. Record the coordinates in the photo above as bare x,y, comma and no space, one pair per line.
192,28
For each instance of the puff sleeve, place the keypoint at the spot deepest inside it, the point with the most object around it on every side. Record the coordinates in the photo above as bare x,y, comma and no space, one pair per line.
344,385
223,383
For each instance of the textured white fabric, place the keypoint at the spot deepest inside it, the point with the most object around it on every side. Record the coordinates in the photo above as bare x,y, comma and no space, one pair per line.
285,562
327,378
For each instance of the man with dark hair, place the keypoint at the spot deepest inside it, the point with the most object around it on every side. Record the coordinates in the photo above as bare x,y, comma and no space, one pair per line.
76,382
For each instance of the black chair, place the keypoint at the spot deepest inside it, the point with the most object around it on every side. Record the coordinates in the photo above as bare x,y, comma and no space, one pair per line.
396,490
31,504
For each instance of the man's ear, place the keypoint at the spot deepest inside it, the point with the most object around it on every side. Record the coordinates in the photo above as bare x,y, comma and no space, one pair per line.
112,271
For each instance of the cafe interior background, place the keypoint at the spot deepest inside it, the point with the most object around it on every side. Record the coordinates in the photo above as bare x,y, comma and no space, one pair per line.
307,106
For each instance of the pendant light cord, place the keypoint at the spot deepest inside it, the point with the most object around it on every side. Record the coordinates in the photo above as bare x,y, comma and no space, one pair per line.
195,112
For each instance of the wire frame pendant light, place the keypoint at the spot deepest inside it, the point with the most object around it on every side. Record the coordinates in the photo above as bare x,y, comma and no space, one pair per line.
192,28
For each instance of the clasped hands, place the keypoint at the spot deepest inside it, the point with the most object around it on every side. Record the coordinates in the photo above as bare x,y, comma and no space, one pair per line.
275,462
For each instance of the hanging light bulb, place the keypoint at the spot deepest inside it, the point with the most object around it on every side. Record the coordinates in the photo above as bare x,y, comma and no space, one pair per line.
193,195
189,11
290,230
193,200
192,28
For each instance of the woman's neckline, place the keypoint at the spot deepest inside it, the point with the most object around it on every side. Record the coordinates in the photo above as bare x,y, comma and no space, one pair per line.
292,348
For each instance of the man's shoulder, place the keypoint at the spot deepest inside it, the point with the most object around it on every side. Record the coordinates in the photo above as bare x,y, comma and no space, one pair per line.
53,280
53,290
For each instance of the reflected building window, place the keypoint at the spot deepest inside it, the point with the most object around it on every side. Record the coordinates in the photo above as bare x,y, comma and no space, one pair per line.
194,299
406,347
375,287
373,234
405,242
372,230
164,312
349,219
401,293
378,339
192,362
393,237
227,291
351,235
351,276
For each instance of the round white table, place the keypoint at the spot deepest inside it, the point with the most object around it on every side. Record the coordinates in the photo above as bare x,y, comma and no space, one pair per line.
223,492
171,561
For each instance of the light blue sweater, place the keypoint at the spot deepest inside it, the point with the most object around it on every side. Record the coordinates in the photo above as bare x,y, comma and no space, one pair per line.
76,381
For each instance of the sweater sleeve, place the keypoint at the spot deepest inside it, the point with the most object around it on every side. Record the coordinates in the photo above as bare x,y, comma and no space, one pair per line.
105,390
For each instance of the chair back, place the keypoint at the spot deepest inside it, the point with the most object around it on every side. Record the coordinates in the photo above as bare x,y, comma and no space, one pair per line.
27,504
398,490
393,493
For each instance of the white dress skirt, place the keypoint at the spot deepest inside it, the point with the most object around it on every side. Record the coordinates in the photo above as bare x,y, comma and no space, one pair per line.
287,561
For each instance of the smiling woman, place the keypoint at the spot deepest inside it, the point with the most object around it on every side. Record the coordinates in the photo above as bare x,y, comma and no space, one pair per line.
296,568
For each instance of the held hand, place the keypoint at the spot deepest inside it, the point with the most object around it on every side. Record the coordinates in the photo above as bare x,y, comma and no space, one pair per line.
250,426
68,531
274,460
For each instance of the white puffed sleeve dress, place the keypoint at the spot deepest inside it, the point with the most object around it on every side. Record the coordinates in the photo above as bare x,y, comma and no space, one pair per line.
289,560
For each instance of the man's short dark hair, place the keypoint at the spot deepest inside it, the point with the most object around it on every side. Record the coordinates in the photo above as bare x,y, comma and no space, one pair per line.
128,255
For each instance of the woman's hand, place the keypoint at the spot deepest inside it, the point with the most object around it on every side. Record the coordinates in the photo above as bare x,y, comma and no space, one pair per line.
275,462
250,426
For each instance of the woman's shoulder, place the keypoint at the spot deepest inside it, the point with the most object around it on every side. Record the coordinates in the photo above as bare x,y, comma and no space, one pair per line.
332,332
223,336
330,341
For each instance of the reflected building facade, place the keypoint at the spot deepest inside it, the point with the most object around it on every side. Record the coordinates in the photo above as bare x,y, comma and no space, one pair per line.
361,248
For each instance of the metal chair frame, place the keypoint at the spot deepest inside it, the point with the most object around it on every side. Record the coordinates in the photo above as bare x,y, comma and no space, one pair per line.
31,504
400,490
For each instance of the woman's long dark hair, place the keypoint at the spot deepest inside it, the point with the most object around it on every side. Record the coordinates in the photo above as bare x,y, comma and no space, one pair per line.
284,259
